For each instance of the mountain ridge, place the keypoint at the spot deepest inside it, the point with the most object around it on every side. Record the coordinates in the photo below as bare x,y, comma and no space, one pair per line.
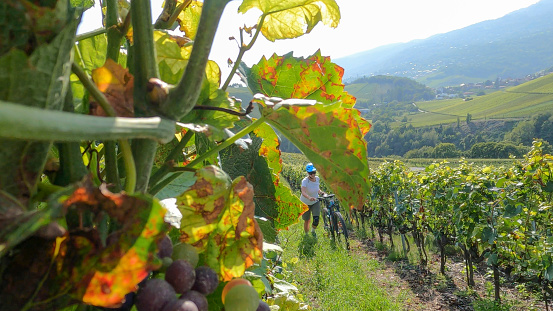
514,45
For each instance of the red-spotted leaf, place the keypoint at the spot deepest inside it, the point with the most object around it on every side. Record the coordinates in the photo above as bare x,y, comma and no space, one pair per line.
82,267
129,254
238,241
218,219
292,18
314,77
330,136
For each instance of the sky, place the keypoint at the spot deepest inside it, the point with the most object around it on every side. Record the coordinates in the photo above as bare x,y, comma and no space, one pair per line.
364,25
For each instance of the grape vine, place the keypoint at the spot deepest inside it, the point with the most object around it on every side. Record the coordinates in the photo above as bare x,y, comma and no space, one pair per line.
500,215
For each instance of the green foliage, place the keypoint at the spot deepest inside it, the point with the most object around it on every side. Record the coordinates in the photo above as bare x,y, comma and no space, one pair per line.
64,237
500,214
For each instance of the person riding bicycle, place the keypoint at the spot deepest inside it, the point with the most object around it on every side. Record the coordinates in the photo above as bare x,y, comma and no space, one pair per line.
309,194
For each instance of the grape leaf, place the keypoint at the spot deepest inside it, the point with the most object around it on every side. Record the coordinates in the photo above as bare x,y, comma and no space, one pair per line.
330,137
86,52
261,164
84,268
189,19
172,56
330,133
314,77
220,221
292,18
117,84
39,80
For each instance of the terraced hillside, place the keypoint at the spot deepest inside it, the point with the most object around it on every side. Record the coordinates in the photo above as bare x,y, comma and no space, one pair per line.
520,101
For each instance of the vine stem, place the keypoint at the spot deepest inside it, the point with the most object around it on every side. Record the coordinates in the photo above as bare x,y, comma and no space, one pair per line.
145,68
90,34
28,123
160,185
114,43
243,50
130,167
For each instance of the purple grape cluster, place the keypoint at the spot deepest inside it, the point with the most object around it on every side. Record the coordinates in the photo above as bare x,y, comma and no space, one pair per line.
184,288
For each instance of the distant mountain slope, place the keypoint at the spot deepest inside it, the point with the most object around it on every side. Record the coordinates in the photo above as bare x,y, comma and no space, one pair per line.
517,44
385,89
523,101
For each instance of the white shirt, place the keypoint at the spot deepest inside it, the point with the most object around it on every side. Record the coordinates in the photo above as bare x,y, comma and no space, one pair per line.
312,188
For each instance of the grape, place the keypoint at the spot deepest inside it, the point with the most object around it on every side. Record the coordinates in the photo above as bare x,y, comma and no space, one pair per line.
197,298
165,263
186,252
181,275
153,295
206,280
242,297
165,247
263,306
180,305
231,284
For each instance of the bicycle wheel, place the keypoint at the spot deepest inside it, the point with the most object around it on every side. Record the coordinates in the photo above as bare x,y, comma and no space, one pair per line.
340,228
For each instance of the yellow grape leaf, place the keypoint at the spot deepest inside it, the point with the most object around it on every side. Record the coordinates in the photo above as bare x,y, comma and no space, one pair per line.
218,219
292,18
189,19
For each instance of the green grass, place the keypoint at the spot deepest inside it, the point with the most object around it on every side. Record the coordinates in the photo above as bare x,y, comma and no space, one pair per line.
331,278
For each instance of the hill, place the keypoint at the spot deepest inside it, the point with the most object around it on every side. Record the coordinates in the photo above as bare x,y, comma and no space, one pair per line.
384,89
517,44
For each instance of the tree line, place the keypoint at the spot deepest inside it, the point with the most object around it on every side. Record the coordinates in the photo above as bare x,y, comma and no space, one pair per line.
471,139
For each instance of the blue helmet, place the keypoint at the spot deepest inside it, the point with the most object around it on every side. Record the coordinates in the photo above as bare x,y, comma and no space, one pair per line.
310,168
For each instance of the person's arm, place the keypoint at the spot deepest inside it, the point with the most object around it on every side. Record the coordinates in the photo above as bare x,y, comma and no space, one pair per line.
304,193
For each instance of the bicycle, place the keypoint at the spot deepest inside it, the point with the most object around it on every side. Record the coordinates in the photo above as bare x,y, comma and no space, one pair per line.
333,220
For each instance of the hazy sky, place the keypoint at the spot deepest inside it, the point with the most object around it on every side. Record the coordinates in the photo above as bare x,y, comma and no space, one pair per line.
365,24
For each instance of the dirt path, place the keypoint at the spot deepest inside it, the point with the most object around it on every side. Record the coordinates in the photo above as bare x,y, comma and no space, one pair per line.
431,291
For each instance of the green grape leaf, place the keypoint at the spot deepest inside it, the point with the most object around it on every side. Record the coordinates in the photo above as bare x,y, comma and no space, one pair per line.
203,145
86,52
292,18
512,210
40,80
488,235
220,221
330,137
189,19
82,266
261,164
85,4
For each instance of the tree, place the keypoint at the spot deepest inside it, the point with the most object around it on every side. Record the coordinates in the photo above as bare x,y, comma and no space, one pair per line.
82,127
445,150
